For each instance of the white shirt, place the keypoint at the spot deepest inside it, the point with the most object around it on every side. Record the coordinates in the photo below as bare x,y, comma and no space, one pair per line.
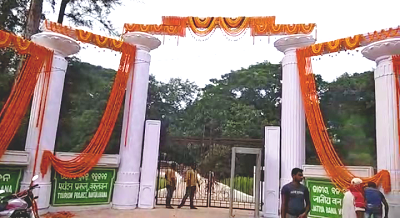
348,208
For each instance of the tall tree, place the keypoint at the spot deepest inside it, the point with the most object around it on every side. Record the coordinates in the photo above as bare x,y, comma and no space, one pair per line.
34,18
83,12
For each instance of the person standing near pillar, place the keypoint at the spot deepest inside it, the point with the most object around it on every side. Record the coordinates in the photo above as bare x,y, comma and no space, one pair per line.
191,182
353,200
374,200
171,184
295,197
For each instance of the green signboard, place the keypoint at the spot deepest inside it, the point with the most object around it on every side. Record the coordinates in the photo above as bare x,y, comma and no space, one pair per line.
326,199
10,179
93,188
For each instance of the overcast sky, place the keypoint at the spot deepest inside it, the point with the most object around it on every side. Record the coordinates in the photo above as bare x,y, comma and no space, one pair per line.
200,61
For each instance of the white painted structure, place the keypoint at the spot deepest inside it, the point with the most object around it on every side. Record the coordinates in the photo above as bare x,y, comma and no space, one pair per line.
293,124
63,46
387,139
126,189
148,177
271,172
318,171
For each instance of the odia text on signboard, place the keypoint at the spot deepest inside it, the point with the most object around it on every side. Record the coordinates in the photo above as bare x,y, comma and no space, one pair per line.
10,179
93,188
326,199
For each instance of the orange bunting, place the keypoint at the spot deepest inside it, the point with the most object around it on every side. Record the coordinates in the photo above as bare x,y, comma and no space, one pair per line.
328,157
348,43
91,155
260,26
351,43
85,36
38,59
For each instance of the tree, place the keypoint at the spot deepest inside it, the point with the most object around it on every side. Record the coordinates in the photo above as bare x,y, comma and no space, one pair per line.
85,95
221,108
348,107
83,12
34,18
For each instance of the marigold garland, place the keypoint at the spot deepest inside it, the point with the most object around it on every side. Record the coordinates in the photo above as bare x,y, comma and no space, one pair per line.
352,42
90,156
85,36
396,70
260,26
38,59
330,160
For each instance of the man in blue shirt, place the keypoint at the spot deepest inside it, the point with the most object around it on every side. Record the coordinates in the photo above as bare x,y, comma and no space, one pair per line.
374,200
295,197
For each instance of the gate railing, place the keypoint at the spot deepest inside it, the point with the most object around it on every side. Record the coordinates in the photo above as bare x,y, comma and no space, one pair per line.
211,192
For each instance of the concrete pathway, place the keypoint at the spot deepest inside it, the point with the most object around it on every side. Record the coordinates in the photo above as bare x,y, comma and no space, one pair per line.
161,212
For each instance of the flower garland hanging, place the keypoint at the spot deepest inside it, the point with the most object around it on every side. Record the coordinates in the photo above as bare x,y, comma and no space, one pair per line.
38,59
85,36
396,70
260,26
352,42
234,27
90,156
202,30
328,157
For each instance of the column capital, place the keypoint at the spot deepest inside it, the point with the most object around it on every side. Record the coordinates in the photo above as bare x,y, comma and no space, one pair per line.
380,50
292,42
143,41
62,45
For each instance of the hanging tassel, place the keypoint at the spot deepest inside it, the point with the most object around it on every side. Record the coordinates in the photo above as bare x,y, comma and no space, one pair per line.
315,32
269,38
177,41
254,38
163,40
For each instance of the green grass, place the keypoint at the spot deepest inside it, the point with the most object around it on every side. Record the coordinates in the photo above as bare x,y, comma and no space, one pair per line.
242,184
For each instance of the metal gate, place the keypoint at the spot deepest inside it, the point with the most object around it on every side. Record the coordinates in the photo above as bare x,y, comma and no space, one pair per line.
212,157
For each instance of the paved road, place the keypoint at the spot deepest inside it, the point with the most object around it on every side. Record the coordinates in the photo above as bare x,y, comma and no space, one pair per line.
161,212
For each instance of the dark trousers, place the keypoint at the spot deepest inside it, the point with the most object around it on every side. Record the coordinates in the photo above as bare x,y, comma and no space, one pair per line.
170,192
189,191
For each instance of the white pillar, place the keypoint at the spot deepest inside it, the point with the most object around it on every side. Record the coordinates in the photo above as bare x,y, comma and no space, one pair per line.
387,140
148,177
271,172
293,125
63,46
126,189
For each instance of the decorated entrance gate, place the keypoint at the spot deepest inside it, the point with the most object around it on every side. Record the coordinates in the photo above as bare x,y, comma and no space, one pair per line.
213,161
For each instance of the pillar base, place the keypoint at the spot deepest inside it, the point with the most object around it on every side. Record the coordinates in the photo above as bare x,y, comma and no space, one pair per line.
125,195
43,192
393,200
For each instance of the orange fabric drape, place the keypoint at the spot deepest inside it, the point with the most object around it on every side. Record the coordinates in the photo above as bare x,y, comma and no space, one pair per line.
396,70
38,59
90,156
328,157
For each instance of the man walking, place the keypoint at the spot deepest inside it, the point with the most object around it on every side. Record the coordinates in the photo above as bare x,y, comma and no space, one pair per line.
171,184
295,197
191,182
374,199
